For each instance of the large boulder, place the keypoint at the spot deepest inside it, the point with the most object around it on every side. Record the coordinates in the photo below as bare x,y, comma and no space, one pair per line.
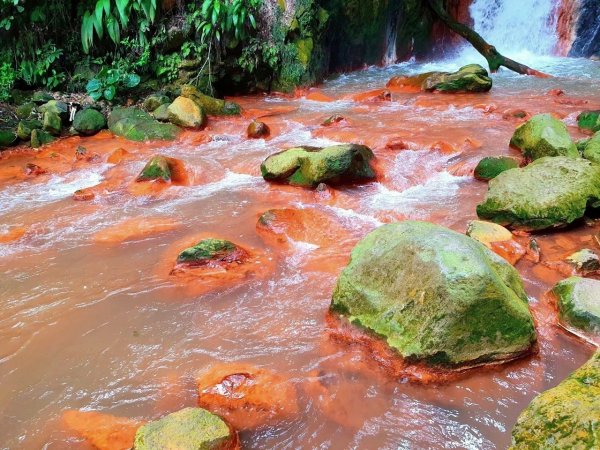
210,105
550,192
89,121
52,123
7,137
544,135
565,417
40,138
470,78
578,302
435,296
25,111
186,113
25,128
309,166
138,125
56,107
591,148
492,166
188,429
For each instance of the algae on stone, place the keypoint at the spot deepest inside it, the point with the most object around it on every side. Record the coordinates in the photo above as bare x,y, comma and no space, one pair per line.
492,166
550,192
435,296
589,121
207,250
566,417
89,121
309,166
156,169
187,429
543,135
470,78
578,302
210,105
138,125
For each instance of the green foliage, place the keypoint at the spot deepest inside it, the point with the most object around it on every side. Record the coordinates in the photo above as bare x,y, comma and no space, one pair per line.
114,16
7,79
166,67
258,53
108,82
38,70
220,20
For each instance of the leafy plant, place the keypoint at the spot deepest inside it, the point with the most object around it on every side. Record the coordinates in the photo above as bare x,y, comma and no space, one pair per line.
39,69
220,19
7,79
107,83
167,67
113,16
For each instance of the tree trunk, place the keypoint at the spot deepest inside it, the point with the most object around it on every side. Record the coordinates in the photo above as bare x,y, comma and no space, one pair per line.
493,57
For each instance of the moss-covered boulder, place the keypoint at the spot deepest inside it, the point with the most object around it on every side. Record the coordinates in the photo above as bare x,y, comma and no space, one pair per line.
589,121
186,113
156,169
492,166
578,303
584,261
211,251
25,110
544,135
591,148
435,296
162,113
89,121
487,232
52,123
7,137
470,78
25,128
550,192
210,105
41,97
138,125
309,166
188,429
153,101
56,107
40,138
566,417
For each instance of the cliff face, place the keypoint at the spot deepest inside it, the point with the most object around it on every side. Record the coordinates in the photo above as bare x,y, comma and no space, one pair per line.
586,29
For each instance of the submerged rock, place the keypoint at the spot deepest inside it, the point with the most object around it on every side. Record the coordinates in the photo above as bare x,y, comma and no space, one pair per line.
247,397
492,166
309,166
215,252
39,138
89,121
550,192
186,113
156,169
25,128
102,431
332,120
258,130
210,105
188,429
543,135
566,417
138,125
470,78
589,121
578,303
435,296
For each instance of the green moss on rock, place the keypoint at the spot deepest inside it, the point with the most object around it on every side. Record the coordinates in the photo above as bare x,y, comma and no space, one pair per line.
578,302
470,78
7,137
566,417
550,192
188,429
589,121
492,166
435,296
591,148
52,123
138,125
89,121
186,113
208,250
153,101
40,138
309,166
544,135
156,169
25,128
210,105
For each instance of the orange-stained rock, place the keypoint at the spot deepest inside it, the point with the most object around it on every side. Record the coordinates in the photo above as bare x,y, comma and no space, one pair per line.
408,84
333,120
511,250
247,397
515,114
258,130
377,95
83,195
103,431
177,175
34,170
117,156
318,96
556,92
11,234
135,228
443,147
397,143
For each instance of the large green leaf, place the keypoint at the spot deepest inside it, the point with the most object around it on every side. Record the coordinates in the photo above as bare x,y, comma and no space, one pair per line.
93,85
109,93
96,95
131,80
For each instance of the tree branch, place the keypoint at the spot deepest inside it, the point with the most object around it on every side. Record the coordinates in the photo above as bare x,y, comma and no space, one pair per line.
494,58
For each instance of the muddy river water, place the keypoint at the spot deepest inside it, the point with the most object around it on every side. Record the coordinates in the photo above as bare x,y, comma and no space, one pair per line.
88,321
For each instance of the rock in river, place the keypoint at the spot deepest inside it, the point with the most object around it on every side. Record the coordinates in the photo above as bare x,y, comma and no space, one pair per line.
578,302
492,166
309,166
543,135
550,192
435,296
186,113
188,429
469,78
137,125
566,417
89,121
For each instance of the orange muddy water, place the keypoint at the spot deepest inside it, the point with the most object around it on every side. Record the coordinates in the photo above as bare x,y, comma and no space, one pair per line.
90,319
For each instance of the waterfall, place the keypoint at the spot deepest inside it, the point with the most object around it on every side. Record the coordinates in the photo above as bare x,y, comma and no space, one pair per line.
517,26
391,35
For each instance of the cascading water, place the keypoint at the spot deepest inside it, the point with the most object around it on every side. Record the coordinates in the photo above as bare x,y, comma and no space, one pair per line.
515,26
